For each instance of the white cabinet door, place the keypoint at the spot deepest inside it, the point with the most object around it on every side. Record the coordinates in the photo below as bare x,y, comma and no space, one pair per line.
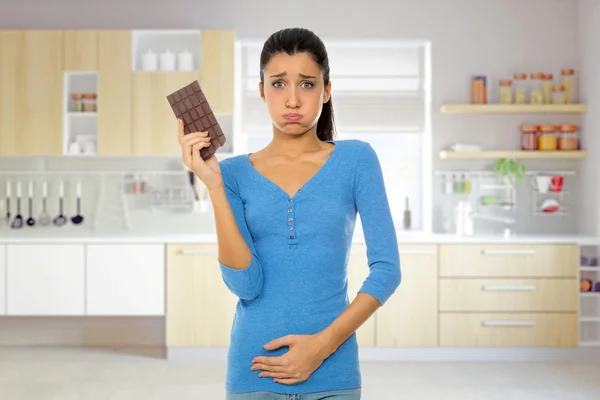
125,279
2,280
45,279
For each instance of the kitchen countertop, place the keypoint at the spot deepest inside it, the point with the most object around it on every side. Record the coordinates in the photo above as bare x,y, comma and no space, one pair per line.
74,236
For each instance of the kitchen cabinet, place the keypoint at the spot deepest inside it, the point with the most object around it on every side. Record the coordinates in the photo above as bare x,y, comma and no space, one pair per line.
125,279
200,308
31,82
154,124
45,279
80,50
217,49
2,280
410,316
114,92
358,270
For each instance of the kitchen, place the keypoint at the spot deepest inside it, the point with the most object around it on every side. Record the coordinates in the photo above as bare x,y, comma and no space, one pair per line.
84,119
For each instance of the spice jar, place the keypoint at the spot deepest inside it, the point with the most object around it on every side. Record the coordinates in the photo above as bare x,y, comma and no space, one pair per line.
479,90
568,81
520,88
529,137
89,102
76,103
547,87
558,94
506,91
568,138
547,139
537,96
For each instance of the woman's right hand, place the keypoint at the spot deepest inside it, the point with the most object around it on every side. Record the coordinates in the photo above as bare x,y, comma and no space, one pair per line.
208,171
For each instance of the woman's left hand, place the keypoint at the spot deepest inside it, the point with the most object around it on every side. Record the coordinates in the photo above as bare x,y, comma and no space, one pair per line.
306,353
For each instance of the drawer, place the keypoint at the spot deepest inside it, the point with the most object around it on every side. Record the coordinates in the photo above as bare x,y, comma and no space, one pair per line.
510,330
459,294
509,260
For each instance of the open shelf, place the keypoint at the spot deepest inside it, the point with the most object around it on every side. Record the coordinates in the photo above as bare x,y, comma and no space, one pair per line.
513,108
80,128
175,41
494,154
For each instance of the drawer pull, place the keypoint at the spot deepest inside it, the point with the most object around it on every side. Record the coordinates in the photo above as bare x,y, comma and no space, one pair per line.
510,288
508,323
192,252
512,252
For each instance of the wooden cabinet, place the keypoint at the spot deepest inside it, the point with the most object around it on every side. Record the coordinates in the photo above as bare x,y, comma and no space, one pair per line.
125,279
410,316
31,82
80,50
358,270
200,308
154,124
45,280
114,92
217,49
2,279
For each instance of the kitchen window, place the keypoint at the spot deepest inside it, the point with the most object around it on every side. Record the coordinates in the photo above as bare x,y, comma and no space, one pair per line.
381,94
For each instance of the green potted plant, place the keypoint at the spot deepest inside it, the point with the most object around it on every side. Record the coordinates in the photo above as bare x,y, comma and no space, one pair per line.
510,169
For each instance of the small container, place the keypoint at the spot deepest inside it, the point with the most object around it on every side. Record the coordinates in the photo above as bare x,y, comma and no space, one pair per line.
506,96
537,95
547,139
149,61
185,61
547,87
89,102
520,81
568,81
167,61
529,137
76,102
558,94
479,90
569,139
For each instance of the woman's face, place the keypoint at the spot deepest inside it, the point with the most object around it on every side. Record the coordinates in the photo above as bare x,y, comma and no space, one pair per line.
294,92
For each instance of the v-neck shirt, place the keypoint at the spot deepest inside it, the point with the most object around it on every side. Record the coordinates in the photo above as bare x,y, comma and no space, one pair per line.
297,281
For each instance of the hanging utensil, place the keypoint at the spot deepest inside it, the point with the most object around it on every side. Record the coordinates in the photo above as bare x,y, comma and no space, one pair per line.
60,219
78,219
8,194
18,221
30,220
44,217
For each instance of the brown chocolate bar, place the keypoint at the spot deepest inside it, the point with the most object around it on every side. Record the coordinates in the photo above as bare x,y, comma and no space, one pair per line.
190,104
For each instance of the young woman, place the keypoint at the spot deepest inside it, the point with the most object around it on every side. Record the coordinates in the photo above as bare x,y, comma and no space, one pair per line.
285,219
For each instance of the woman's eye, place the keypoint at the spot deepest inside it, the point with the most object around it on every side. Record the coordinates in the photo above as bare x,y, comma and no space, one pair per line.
275,84
308,85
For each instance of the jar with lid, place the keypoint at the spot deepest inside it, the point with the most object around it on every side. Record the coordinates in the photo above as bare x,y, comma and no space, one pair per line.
529,137
568,138
479,89
568,81
520,88
506,91
76,102
547,140
89,102
547,88
537,96
558,94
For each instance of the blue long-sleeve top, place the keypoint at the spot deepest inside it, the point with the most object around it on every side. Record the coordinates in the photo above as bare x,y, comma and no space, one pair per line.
297,280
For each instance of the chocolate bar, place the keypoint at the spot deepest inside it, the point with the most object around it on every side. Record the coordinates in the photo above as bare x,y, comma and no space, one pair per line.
189,103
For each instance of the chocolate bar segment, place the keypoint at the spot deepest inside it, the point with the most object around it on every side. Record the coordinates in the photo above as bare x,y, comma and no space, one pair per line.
190,104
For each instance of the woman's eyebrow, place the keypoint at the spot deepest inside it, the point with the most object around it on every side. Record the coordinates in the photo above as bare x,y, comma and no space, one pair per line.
285,73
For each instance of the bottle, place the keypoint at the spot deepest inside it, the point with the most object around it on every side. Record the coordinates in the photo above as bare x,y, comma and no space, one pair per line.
466,185
458,185
407,221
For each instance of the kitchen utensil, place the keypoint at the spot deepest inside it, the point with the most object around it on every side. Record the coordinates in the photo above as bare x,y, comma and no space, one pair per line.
541,183
78,219
60,219
44,217
18,221
30,220
8,194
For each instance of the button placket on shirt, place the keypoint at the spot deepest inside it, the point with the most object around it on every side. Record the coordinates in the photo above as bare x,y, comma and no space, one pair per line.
291,219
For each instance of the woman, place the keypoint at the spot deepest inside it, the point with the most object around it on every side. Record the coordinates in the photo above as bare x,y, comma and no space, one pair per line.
285,218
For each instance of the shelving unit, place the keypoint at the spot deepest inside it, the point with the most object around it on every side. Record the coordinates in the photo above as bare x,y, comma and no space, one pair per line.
589,302
518,154
159,41
79,127
513,108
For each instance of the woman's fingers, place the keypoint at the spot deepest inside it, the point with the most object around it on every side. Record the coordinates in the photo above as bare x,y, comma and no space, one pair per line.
180,133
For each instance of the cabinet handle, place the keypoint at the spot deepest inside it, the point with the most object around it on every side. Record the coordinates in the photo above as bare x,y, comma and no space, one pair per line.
510,287
508,323
508,252
192,252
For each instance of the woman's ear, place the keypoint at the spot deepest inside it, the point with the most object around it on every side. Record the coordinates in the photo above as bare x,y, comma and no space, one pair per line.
261,89
327,92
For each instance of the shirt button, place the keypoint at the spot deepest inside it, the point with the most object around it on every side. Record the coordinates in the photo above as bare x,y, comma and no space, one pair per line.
291,236
289,200
290,219
291,228
289,210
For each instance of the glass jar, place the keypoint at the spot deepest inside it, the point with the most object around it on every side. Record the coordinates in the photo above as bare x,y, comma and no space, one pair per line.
529,137
506,91
568,81
520,88
568,138
537,96
76,103
479,90
89,102
547,88
547,140
558,94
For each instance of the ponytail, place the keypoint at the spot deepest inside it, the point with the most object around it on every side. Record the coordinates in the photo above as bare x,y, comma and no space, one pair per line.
325,125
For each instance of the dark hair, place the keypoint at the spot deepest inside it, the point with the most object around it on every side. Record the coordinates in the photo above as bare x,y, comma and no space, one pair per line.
300,40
